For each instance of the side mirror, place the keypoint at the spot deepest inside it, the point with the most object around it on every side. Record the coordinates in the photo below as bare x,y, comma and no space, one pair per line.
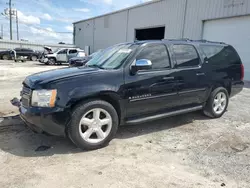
142,64
205,60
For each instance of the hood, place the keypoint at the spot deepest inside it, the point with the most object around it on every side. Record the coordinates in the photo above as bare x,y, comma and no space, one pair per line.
78,58
52,75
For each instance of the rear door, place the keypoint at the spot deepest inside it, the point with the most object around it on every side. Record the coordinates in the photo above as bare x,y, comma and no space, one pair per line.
191,75
154,90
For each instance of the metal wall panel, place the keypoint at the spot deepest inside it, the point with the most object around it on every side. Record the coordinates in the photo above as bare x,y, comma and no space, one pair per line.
199,11
10,44
168,13
181,18
84,34
110,30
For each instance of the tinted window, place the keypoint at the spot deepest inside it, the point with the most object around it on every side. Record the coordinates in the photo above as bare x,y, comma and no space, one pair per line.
72,51
186,56
157,54
63,51
17,49
27,50
219,54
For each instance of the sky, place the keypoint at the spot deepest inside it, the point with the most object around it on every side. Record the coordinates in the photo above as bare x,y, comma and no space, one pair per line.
50,21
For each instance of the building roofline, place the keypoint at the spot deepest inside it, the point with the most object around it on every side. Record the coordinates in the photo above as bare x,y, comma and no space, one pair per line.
121,10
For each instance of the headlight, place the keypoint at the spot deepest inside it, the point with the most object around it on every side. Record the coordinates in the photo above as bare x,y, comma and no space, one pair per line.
44,98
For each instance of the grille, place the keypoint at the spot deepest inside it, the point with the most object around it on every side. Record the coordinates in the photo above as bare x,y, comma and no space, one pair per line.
26,90
25,96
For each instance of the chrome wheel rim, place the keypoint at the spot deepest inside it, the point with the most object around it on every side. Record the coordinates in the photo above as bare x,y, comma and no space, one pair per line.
5,57
33,58
220,102
95,125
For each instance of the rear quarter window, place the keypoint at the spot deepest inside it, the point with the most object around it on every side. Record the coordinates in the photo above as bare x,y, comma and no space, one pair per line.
221,54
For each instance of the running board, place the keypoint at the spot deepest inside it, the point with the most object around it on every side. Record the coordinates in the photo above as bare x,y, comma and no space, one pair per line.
164,115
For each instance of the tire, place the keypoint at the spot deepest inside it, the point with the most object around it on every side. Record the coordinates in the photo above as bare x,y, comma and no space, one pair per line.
52,61
5,57
95,131
215,107
33,58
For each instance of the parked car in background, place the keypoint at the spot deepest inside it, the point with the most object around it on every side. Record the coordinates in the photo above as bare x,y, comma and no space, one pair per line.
5,54
132,83
24,52
61,55
81,59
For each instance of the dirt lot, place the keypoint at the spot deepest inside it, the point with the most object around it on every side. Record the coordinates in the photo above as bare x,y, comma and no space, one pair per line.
184,151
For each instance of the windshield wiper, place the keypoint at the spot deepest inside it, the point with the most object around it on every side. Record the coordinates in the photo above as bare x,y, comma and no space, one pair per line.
95,65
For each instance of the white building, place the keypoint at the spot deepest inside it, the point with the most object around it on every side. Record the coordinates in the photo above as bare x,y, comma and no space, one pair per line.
216,20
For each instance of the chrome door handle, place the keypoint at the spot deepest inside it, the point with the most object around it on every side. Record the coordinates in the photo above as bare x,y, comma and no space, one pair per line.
200,74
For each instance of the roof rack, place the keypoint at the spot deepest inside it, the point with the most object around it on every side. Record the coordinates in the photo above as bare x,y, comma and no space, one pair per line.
190,40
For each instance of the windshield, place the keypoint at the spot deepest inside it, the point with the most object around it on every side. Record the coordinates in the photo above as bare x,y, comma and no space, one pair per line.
56,50
111,57
80,54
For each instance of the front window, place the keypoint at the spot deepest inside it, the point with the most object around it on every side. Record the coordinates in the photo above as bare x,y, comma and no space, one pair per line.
112,57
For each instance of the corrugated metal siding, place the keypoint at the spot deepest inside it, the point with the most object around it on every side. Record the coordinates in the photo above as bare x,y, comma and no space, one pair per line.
109,30
84,35
201,10
167,13
8,44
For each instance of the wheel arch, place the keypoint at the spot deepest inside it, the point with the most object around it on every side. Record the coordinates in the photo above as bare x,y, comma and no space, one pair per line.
110,97
226,84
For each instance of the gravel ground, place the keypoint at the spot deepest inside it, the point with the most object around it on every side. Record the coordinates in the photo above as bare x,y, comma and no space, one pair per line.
11,76
190,150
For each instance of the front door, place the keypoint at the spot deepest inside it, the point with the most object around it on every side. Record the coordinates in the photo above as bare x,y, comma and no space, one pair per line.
62,55
192,82
72,53
151,91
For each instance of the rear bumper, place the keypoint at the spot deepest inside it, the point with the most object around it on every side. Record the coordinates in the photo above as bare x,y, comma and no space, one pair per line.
53,123
237,87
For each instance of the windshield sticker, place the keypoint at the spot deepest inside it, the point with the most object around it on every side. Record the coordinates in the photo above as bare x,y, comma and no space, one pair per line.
126,51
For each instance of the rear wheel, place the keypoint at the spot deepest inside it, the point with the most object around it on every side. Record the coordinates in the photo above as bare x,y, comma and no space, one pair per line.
93,124
5,57
217,103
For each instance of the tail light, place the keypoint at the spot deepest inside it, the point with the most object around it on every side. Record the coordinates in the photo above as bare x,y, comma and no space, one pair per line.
242,72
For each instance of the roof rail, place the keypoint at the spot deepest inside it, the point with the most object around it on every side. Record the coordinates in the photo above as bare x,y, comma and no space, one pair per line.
190,40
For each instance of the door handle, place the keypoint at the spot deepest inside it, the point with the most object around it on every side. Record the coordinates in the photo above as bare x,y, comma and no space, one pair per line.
168,78
200,74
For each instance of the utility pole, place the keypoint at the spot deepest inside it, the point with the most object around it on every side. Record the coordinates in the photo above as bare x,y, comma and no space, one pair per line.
17,31
2,31
10,14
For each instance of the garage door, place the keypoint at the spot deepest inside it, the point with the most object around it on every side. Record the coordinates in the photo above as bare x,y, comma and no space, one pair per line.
234,31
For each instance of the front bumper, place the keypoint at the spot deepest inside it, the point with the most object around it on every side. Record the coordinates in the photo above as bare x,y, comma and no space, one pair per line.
51,121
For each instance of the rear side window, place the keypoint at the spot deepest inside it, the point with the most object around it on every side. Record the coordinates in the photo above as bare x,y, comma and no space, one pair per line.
72,51
157,54
220,54
185,56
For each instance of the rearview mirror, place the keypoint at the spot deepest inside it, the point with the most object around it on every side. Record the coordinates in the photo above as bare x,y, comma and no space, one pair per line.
142,64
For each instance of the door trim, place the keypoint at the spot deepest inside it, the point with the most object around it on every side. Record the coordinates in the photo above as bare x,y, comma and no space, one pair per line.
151,97
163,115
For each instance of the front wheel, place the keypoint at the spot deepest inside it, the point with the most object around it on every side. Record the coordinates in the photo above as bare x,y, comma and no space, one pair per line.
51,61
93,124
217,103
34,58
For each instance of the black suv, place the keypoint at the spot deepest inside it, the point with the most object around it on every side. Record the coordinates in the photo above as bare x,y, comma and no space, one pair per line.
131,83
29,53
